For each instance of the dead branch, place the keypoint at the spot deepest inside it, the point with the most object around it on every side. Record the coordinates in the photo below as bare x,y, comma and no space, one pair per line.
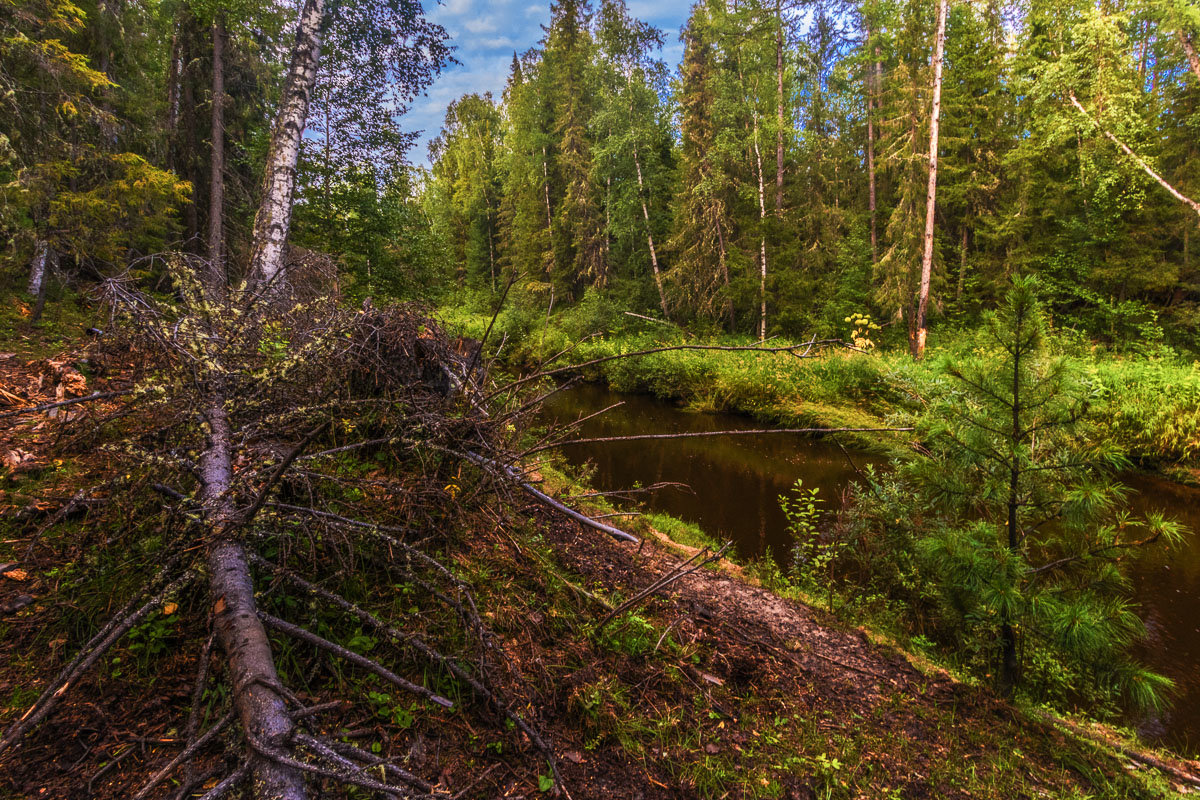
297,632
679,572
654,487
350,751
193,721
110,766
187,753
336,518
508,471
350,777
229,783
418,644
792,349
341,753
702,434
342,762
48,406
248,516
1178,195
1139,756
117,627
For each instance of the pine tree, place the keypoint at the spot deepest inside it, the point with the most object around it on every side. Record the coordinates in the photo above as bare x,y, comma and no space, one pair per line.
579,232
1026,536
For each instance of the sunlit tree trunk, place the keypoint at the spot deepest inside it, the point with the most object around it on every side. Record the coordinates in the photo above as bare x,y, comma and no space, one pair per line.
1189,48
662,295
779,109
1127,150
762,217
274,217
918,338
43,257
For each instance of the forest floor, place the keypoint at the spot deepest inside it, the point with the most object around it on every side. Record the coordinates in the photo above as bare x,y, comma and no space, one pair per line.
714,687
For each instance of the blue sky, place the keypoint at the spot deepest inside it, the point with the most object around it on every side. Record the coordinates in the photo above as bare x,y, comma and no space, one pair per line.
486,34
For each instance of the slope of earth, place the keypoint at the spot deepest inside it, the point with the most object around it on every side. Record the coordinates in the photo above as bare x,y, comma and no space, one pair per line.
712,687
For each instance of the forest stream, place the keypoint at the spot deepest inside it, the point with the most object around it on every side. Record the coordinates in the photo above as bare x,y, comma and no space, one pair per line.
735,484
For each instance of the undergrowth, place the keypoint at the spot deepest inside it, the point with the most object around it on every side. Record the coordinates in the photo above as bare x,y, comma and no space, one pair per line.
1148,403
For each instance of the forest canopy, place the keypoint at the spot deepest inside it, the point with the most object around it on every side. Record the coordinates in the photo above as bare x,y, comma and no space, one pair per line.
778,179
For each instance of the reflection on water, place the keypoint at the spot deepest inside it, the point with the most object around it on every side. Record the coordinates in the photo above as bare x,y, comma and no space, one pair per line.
736,482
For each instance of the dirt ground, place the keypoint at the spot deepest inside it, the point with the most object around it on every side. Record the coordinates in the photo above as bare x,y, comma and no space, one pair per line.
713,687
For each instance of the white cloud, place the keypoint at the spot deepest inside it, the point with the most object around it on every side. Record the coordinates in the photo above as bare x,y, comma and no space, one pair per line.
515,25
481,25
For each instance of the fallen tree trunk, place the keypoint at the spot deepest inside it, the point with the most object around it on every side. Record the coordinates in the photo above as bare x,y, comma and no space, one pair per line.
257,695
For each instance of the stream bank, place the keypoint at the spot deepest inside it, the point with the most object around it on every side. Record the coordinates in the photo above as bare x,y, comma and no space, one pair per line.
735,483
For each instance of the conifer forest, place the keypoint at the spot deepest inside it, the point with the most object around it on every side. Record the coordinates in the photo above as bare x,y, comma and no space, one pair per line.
786,399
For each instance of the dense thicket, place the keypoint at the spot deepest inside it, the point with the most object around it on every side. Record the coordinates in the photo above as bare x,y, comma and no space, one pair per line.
781,181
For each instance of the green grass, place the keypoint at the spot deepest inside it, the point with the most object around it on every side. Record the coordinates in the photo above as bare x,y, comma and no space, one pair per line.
1148,404
63,321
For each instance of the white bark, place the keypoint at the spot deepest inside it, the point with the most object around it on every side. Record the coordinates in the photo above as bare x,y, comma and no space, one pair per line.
762,216
662,296
37,269
274,217
918,342
1178,195
256,696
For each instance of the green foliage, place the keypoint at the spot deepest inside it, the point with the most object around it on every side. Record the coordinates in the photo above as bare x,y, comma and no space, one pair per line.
1020,532
812,555
765,166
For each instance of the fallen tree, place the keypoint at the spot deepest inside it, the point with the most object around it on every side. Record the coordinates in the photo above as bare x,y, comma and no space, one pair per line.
273,400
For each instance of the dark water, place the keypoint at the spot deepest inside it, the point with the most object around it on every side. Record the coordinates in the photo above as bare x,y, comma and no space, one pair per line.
736,482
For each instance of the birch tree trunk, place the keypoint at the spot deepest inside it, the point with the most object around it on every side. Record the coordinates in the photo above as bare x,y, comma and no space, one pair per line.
762,217
549,217
43,258
919,331
1178,195
37,269
252,674
216,282
274,216
662,295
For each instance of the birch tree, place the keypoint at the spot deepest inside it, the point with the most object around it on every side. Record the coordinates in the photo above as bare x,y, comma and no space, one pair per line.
918,335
